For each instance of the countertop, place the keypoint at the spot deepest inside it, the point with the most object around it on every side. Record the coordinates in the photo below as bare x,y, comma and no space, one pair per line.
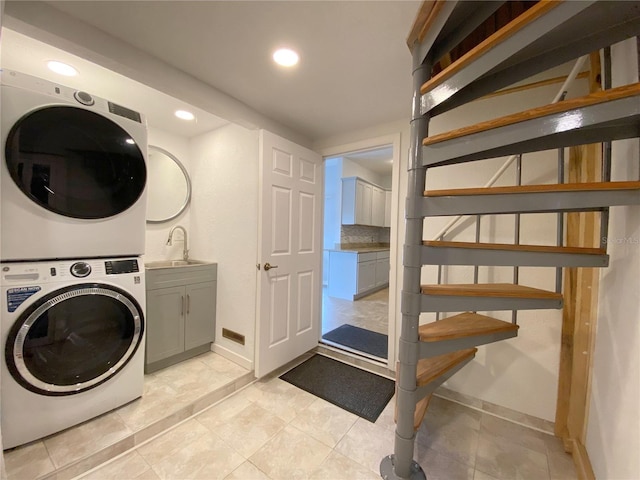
360,248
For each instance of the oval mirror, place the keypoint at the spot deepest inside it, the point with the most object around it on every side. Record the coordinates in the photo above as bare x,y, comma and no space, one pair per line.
168,186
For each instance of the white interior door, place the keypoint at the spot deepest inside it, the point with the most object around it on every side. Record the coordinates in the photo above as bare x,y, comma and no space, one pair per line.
290,241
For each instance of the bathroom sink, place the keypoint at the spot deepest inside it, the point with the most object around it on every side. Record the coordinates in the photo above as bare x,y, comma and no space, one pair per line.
175,263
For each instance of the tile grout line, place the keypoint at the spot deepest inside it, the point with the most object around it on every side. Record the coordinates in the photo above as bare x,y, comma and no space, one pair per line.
56,472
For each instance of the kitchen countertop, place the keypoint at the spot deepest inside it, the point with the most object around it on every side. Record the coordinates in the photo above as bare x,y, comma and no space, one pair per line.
360,248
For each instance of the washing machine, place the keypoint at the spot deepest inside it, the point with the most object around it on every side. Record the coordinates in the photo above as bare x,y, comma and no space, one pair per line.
73,173
73,338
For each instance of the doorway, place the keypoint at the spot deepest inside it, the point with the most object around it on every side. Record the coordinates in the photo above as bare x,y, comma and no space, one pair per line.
360,247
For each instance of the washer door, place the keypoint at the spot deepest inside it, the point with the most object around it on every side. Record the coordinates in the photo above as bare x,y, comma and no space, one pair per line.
74,339
75,162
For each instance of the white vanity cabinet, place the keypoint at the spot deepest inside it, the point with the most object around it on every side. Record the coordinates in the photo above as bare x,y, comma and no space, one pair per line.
181,313
363,203
353,274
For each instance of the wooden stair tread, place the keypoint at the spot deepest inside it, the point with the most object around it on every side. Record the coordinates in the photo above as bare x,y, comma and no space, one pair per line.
547,188
518,248
473,55
603,96
489,290
431,368
463,325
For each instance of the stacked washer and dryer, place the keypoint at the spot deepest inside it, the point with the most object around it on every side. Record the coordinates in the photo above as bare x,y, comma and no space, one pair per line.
73,204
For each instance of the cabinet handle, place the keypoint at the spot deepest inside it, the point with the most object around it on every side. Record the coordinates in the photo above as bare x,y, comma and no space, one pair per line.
188,303
182,311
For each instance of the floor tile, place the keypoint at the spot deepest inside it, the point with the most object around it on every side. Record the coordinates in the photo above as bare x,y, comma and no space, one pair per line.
438,466
247,471
561,466
220,413
250,429
131,465
367,444
507,460
291,454
513,432
324,422
451,429
207,457
386,418
339,467
28,461
282,398
172,441
86,438
478,475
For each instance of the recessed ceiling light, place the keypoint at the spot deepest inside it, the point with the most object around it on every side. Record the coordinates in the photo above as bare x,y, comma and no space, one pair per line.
184,115
285,57
62,68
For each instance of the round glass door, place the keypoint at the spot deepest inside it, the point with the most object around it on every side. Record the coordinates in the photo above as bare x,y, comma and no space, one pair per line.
75,162
74,339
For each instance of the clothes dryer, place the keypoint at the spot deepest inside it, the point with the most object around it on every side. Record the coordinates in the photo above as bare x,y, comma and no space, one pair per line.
73,338
73,173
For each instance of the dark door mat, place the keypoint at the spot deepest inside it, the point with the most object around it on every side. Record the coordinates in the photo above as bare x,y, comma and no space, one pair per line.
362,393
360,339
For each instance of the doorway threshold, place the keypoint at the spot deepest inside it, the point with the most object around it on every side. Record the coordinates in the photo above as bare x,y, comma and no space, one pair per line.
356,358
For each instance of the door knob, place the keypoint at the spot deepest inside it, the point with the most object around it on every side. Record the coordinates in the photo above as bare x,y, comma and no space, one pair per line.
268,266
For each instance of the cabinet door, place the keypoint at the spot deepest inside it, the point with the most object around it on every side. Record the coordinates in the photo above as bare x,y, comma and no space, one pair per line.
165,323
364,197
366,276
200,327
387,208
382,271
377,207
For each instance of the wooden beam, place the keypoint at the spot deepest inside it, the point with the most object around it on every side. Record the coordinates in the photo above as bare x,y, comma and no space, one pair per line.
580,307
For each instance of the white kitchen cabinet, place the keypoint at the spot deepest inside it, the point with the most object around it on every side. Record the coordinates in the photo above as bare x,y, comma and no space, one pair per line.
382,269
353,275
387,208
377,207
363,203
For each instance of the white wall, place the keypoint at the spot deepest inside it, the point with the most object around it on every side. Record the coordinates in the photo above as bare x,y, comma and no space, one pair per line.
224,227
157,233
613,429
332,202
353,169
522,373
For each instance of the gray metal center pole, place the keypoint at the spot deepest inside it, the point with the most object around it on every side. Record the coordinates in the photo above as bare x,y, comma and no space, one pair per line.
400,465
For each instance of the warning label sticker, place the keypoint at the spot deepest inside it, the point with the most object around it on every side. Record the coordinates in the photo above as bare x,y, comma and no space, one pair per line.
16,296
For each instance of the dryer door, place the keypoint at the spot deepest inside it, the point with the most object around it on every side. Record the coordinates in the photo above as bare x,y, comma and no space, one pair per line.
74,339
75,162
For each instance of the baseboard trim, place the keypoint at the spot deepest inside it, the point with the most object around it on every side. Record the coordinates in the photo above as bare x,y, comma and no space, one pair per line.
232,356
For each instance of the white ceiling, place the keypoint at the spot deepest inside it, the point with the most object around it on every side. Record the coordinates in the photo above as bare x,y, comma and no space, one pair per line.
379,160
26,55
355,68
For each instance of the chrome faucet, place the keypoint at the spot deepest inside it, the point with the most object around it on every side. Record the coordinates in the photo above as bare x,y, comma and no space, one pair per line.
185,248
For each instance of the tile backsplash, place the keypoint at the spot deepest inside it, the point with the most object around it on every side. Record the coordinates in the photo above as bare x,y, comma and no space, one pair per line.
364,234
